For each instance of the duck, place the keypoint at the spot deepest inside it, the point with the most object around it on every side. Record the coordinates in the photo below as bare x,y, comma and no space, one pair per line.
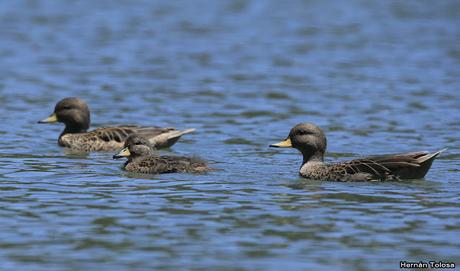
142,158
311,141
75,114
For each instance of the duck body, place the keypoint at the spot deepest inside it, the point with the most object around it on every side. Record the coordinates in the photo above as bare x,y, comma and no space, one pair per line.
391,167
143,159
311,142
112,138
74,113
156,164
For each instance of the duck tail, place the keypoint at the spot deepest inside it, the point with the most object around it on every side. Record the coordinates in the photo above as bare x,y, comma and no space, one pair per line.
429,156
166,140
424,164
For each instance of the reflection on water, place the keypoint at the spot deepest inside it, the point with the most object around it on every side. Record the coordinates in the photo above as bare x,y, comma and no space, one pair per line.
379,77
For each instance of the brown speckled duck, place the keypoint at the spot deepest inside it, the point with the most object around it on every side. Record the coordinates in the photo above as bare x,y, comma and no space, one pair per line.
74,113
310,140
143,159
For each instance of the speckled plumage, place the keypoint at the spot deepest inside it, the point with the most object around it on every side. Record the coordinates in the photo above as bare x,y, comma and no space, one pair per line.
310,140
74,113
143,159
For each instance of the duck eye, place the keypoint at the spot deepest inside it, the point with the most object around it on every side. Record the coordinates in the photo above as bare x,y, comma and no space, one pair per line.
66,107
137,143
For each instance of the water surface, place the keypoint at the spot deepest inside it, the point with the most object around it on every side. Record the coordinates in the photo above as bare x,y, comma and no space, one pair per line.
378,76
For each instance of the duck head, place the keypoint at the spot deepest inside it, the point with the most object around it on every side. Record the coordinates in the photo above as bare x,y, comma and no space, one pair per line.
308,138
135,146
73,112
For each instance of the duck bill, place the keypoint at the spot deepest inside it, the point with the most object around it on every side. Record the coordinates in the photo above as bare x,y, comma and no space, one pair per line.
283,144
51,119
123,153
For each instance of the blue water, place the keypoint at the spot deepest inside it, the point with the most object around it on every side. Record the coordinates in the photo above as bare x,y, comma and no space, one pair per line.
377,76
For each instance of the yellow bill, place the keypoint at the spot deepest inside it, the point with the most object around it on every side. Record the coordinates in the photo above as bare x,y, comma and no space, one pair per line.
123,153
283,144
52,118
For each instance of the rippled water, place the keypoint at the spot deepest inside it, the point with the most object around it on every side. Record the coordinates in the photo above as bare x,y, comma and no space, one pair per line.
378,76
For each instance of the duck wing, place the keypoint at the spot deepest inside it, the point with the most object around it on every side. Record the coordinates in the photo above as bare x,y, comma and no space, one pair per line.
169,164
120,133
363,169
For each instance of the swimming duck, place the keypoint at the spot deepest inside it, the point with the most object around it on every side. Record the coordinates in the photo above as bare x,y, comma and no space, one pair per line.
310,140
74,113
143,159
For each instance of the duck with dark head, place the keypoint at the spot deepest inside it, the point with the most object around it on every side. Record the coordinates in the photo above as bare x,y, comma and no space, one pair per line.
74,113
310,140
143,159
